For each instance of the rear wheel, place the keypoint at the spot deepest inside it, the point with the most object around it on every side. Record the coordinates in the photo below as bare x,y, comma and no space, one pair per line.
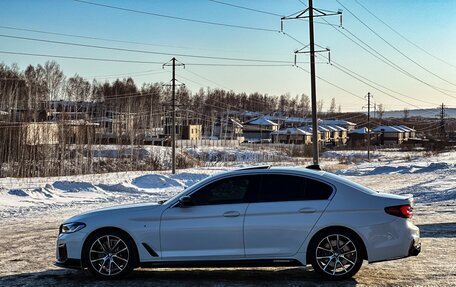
336,254
109,254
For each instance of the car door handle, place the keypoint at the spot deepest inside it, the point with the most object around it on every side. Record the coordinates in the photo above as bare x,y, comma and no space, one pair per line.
307,210
231,214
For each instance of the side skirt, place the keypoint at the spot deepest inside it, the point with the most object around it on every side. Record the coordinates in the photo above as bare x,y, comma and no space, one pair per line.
222,263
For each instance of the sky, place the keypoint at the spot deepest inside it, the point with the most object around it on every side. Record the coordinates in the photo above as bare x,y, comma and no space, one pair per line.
428,77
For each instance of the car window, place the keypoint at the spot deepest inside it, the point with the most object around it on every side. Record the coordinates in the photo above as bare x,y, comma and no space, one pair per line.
226,191
317,190
278,187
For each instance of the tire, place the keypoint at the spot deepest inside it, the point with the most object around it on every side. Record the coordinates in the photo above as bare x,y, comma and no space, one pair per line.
336,254
109,254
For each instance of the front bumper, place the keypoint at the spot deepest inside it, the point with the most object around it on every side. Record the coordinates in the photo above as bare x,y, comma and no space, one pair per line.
69,263
63,260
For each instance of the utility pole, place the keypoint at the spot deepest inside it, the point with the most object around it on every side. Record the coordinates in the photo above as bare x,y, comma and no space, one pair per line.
313,87
172,63
311,15
368,125
442,122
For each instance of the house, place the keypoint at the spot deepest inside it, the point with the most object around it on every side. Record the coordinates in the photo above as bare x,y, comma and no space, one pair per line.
185,132
338,134
309,130
389,135
3,116
394,134
348,126
115,127
334,134
227,129
191,132
78,132
358,137
343,134
411,132
30,133
259,129
324,134
291,136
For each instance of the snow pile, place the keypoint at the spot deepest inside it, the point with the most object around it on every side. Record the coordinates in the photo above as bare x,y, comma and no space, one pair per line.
430,178
25,198
399,169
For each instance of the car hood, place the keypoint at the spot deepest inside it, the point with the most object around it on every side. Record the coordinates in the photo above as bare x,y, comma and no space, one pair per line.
117,210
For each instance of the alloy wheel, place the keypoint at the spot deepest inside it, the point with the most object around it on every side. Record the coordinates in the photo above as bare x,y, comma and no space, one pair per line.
336,254
109,255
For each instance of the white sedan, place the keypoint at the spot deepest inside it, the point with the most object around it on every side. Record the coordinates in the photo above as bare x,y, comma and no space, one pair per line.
257,216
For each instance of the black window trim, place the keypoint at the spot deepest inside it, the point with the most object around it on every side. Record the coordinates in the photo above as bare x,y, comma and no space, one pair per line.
176,203
261,173
257,195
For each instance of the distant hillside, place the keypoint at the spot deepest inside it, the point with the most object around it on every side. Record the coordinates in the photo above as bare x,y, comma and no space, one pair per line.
425,113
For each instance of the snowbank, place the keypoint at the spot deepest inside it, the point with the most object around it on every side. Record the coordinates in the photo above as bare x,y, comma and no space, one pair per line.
430,179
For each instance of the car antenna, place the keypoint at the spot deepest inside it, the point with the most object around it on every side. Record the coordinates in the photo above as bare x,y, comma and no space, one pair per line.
314,167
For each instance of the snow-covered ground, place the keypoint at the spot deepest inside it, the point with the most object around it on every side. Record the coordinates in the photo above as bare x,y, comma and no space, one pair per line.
37,206
431,178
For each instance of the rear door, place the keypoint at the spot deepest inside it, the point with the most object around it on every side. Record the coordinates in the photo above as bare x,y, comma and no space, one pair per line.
287,208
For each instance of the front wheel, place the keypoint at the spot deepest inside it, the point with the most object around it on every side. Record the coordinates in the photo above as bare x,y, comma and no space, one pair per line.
109,254
336,254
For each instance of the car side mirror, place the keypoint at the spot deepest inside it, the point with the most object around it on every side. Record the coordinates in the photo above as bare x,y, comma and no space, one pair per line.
185,201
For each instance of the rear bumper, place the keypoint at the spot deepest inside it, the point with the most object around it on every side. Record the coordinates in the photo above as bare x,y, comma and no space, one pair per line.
397,239
415,248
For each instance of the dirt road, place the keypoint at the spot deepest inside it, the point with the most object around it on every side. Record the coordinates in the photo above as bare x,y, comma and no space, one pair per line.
27,254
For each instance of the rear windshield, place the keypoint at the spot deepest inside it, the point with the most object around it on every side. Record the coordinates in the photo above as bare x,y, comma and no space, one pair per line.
350,183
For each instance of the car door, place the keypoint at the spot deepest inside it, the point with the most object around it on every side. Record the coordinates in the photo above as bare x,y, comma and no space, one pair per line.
287,208
213,226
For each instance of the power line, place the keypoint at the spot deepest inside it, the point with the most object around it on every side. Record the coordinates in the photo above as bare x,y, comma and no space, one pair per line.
177,18
124,74
372,86
405,38
79,58
385,60
382,58
97,38
394,47
246,8
333,63
392,64
139,62
332,84
204,78
143,51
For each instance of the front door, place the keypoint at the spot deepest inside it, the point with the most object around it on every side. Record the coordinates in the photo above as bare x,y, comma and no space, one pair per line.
213,226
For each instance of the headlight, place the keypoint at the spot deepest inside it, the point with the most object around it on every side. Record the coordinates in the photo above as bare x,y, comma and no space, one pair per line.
71,227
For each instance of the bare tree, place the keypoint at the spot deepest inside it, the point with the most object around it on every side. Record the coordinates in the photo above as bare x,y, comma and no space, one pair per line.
406,113
332,107
54,80
320,104
304,104
380,110
78,89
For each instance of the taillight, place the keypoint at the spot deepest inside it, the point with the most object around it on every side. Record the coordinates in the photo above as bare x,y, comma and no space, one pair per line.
405,211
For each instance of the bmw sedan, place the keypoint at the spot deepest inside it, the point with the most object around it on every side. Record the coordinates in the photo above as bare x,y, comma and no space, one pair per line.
258,216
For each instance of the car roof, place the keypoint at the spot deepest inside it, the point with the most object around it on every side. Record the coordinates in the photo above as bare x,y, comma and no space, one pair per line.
272,169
